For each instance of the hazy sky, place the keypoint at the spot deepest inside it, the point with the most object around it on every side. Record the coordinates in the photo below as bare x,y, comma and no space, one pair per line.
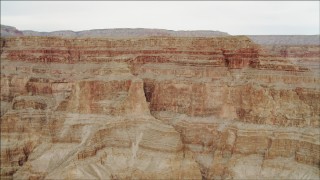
246,17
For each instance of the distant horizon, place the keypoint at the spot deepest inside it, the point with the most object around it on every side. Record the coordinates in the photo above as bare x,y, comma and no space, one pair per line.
234,18
166,30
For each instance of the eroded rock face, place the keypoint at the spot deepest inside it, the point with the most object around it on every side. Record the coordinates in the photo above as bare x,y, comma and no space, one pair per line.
158,108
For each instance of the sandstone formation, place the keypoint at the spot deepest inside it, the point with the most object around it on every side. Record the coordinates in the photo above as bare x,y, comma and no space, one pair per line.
158,108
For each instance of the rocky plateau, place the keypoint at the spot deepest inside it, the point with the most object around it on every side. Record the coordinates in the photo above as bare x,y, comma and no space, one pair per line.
159,107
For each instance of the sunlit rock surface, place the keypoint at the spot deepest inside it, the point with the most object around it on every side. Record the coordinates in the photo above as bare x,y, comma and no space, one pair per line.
158,108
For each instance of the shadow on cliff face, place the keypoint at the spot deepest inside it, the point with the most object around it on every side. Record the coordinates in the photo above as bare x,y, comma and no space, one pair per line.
2,44
148,89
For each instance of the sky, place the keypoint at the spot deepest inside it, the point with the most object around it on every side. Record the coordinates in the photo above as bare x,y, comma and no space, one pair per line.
236,18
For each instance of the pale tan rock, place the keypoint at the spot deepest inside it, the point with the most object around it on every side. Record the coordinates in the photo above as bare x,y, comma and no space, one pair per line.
158,108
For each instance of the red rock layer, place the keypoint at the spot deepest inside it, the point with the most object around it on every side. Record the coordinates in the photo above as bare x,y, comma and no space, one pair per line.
224,103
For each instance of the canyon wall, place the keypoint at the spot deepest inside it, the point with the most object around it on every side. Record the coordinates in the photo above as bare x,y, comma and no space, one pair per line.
158,108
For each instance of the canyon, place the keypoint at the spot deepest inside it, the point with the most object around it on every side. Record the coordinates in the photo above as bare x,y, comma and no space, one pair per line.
159,107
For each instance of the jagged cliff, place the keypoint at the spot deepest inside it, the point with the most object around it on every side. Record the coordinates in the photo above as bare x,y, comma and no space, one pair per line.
158,108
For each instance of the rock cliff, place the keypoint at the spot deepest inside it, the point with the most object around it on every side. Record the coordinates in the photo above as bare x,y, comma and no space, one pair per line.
158,108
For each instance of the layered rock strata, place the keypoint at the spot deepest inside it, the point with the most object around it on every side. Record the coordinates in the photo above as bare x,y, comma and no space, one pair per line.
158,108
